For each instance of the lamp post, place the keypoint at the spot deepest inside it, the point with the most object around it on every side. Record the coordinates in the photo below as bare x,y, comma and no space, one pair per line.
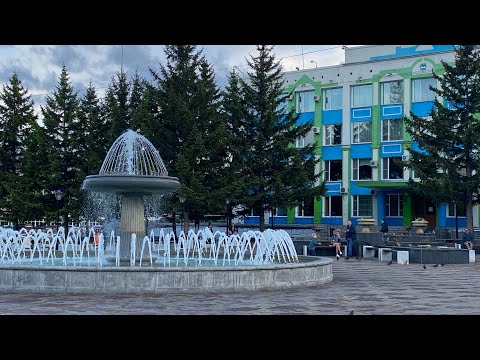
182,201
313,61
227,201
58,196
456,220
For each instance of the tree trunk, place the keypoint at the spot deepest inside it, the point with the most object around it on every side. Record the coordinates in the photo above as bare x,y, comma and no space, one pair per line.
186,223
262,215
469,213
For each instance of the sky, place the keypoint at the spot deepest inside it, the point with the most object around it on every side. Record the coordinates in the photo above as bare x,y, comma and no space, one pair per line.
39,66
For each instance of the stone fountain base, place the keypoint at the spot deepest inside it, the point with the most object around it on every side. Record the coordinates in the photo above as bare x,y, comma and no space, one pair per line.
163,280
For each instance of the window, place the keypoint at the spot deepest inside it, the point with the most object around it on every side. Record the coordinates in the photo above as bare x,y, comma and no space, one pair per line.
392,171
332,99
361,95
392,129
305,208
281,211
414,177
333,170
362,205
394,205
421,89
333,134
283,105
459,207
392,92
362,170
305,101
333,206
361,132
300,142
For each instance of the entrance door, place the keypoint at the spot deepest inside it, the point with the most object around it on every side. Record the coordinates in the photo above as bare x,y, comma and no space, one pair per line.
425,209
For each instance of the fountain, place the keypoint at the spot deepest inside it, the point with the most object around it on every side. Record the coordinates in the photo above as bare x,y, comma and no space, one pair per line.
132,169
133,262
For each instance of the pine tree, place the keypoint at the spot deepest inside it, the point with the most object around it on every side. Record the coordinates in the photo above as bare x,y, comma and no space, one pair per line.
234,112
61,125
190,127
274,172
94,141
135,101
447,161
116,106
17,121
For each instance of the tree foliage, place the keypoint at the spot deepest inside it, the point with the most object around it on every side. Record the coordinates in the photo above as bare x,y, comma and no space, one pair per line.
446,160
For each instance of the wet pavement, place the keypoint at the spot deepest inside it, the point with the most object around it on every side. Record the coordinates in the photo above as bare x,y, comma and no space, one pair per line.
367,287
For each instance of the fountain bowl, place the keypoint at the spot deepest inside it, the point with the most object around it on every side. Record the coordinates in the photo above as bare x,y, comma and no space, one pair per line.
128,184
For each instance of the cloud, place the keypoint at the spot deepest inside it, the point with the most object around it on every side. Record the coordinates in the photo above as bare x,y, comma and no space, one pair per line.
39,66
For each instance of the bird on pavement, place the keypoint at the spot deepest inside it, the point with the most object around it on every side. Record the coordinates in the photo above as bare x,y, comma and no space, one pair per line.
390,262
424,267
436,265
350,313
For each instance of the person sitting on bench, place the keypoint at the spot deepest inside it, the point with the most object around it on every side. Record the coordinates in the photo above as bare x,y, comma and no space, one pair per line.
336,242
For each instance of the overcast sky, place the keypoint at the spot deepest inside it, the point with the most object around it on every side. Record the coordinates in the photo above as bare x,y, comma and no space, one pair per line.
39,66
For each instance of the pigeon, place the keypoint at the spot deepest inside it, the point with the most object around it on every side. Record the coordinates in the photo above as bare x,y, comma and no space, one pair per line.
436,265
442,265
424,267
390,262
350,313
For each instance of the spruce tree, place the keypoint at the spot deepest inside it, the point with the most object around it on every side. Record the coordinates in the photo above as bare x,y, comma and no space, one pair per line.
62,129
116,106
93,144
135,101
447,161
17,121
274,172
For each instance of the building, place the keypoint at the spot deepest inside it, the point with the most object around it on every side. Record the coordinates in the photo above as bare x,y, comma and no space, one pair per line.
357,109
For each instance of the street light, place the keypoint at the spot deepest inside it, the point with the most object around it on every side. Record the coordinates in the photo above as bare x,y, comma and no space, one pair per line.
313,61
227,201
182,201
58,196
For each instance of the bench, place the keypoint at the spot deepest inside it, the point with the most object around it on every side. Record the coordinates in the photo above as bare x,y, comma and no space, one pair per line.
386,254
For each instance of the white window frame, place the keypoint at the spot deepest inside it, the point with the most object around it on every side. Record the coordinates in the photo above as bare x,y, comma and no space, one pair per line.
325,97
388,201
357,124
300,142
298,97
329,134
352,96
388,168
389,130
414,91
329,199
357,178
327,172
454,211
356,202
383,91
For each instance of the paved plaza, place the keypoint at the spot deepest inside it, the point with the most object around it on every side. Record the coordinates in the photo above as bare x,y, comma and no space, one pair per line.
366,287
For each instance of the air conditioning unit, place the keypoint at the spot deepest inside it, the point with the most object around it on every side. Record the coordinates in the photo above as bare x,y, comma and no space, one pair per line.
316,98
343,190
404,157
316,130
290,97
373,192
373,163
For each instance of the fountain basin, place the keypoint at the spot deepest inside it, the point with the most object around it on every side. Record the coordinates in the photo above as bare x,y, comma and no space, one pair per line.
310,271
136,184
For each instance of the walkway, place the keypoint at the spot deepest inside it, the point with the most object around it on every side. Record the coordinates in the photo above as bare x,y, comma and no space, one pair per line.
367,287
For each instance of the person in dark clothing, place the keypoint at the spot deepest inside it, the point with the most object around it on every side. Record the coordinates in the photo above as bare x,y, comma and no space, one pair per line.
312,244
384,229
350,236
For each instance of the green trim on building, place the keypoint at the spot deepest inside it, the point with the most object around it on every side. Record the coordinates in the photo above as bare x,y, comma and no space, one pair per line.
349,204
291,215
317,210
407,210
382,184
376,127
